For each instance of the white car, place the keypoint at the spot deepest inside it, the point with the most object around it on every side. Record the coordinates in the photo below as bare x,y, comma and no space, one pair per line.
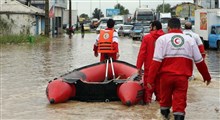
126,30
101,27
117,27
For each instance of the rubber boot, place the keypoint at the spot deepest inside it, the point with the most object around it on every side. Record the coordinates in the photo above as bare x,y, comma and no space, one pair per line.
179,117
165,113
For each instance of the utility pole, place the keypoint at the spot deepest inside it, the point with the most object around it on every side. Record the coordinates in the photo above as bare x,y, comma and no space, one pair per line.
47,19
70,15
139,3
163,6
100,9
90,8
189,11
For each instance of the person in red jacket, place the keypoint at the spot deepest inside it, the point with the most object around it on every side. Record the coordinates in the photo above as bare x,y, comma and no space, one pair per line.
107,42
145,57
173,58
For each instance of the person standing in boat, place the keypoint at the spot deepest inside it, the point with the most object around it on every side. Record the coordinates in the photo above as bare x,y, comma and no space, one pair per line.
145,57
107,43
173,59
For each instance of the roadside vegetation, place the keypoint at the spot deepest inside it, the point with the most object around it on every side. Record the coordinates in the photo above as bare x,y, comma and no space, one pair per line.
7,38
15,39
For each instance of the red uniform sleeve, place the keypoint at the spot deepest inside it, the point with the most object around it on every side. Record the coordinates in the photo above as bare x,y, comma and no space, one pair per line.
202,50
141,54
201,66
154,69
115,44
95,48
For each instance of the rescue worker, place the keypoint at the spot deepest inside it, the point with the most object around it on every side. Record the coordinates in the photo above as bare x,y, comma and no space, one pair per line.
173,57
145,57
188,31
107,42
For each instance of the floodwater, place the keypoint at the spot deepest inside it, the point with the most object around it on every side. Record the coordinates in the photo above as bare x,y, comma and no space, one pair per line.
27,68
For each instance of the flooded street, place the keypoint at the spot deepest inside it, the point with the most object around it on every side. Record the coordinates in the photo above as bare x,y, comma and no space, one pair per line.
27,68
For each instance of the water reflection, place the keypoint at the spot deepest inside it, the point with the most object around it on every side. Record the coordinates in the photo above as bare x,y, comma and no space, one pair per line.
213,61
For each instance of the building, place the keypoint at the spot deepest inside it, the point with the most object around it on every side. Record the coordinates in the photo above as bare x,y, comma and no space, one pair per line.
66,18
210,4
56,22
21,19
184,10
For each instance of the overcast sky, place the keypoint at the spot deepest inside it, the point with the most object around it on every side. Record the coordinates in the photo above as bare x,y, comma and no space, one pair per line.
85,6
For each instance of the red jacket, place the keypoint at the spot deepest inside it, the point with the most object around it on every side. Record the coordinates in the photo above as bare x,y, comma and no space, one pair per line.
173,60
113,55
146,51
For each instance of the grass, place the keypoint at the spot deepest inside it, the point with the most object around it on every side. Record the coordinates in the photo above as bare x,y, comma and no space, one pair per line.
15,39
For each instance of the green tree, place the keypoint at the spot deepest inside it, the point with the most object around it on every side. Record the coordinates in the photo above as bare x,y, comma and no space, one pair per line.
84,16
166,8
97,13
122,9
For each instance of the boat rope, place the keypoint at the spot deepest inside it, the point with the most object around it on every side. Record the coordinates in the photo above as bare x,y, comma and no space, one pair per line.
113,72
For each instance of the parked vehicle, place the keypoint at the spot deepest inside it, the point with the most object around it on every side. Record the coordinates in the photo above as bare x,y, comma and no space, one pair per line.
87,27
104,20
100,27
145,32
163,17
207,23
94,23
214,37
117,27
118,19
125,30
144,15
136,32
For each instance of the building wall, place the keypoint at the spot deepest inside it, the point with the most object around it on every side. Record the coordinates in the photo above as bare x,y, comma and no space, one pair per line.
185,10
209,3
23,23
60,5
58,12
41,3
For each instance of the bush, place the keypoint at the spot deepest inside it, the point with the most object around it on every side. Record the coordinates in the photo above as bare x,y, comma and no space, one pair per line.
21,39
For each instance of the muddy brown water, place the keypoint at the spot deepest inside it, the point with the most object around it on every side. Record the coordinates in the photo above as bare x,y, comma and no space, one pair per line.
27,68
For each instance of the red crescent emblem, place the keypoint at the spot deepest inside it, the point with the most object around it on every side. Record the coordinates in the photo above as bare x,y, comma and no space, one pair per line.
176,40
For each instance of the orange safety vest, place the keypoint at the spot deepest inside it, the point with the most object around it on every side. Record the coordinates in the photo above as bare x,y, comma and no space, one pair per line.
105,43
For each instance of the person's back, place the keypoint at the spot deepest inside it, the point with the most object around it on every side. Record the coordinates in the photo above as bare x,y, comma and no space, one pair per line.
111,35
145,56
188,31
177,49
173,57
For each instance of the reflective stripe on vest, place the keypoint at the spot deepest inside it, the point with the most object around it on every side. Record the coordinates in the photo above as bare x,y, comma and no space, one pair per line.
105,43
